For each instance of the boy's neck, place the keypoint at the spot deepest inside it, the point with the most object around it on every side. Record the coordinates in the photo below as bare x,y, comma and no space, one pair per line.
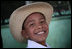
43,43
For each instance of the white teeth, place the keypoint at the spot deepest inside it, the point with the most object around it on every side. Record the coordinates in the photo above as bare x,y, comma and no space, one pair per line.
40,32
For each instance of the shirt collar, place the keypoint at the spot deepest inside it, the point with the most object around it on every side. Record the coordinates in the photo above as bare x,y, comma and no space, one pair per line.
33,44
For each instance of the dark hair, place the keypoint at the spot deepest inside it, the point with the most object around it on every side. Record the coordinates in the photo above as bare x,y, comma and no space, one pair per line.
28,16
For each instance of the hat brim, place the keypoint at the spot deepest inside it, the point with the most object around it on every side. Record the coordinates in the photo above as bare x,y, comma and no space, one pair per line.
19,15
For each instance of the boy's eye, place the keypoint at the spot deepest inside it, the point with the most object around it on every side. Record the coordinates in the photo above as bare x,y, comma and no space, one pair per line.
42,22
32,24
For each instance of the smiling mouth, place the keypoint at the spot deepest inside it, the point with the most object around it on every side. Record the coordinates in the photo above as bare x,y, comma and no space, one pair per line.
41,32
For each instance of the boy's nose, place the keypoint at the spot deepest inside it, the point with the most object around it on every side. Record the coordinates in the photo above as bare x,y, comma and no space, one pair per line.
39,27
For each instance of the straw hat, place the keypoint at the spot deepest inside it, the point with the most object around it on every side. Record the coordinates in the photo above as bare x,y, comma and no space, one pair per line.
19,15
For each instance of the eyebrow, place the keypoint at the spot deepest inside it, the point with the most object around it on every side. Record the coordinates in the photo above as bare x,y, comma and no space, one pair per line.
30,21
34,20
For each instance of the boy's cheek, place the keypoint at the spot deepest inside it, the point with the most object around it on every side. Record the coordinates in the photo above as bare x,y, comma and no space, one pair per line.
30,31
45,26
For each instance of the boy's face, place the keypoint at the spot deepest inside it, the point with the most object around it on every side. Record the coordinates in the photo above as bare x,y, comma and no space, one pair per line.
36,27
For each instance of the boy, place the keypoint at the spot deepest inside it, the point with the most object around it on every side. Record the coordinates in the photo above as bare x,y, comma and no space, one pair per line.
30,23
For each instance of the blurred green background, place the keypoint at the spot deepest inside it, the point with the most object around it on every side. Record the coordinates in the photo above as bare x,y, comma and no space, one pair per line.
59,35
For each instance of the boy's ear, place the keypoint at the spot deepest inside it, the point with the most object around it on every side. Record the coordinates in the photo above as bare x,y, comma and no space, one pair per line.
24,34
